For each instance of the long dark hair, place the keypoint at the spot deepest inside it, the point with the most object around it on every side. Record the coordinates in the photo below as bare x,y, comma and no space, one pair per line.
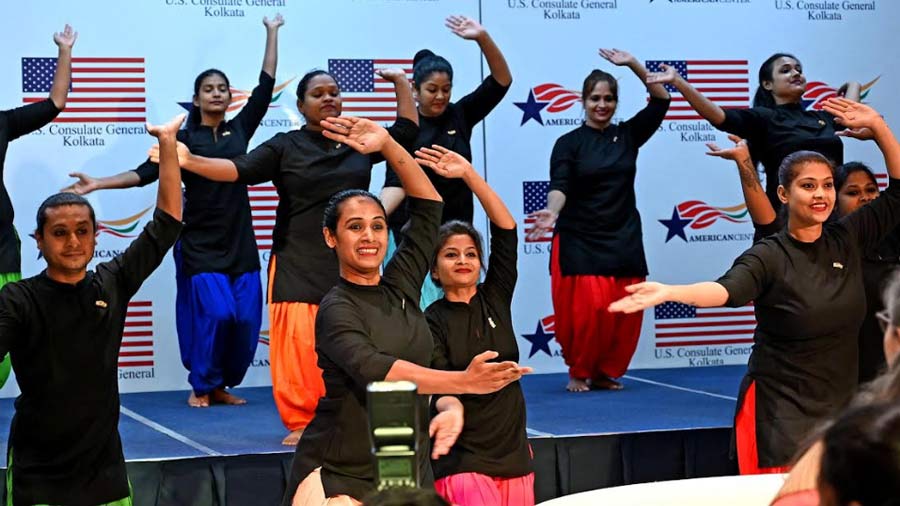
425,63
763,97
194,117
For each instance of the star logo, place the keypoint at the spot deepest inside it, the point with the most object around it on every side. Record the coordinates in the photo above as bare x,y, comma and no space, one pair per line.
539,340
675,225
531,109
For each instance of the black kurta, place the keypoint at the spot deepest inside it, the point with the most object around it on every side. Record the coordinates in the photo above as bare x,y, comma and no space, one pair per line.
14,124
218,227
599,227
877,266
452,130
493,440
809,304
777,132
360,332
64,343
307,169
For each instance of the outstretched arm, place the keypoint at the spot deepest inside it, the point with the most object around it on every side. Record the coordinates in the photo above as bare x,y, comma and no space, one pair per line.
545,219
59,91
470,29
650,293
451,165
480,377
758,204
214,169
366,137
86,184
704,106
270,59
168,196
624,58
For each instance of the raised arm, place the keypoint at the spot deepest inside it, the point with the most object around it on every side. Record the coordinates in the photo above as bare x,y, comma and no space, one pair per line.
168,195
864,122
391,197
366,137
86,184
470,29
624,58
59,91
758,204
451,165
704,106
406,104
270,59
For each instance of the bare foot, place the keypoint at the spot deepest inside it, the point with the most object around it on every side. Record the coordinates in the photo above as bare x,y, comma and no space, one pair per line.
220,396
198,401
604,383
577,385
292,438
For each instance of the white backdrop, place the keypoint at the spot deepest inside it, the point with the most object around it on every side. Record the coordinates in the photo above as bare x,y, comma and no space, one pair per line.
550,46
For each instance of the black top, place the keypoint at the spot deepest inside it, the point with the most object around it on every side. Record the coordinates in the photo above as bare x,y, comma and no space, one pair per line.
307,169
218,227
774,133
64,343
493,440
360,332
15,123
599,228
877,265
452,130
809,303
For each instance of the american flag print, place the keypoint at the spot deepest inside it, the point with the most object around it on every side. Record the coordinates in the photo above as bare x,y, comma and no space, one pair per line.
679,324
725,82
137,339
363,93
534,198
103,90
263,203
704,215
559,98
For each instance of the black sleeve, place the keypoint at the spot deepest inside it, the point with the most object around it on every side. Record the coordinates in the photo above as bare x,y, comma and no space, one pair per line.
477,105
144,254
263,163
148,172
440,359
28,118
391,180
749,124
12,314
410,264
502,273
873,222
404,131
647,121
750,275
341,336
761,231
257,105
561,161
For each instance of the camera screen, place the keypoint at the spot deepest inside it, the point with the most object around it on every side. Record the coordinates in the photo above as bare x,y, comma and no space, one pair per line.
395,467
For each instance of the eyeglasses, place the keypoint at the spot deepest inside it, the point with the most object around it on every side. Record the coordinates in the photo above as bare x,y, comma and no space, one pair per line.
884,320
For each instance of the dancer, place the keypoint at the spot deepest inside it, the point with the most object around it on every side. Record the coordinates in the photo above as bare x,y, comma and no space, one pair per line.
306,169
218,304
777,124
491,460
807,285
370,328
448,124
63,329
598,243
855,186
15,123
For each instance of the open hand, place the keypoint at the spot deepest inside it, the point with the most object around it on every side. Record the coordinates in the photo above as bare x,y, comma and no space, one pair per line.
485,377
170,128
443,162
181,148
444,429
545,220
274,23
740,150
85,184
667,76
642,296
616,56
465,27
363,135
853,115
66,38
393,75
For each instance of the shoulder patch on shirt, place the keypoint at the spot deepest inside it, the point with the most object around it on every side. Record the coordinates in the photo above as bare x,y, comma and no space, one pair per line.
226,132
101,303
837,265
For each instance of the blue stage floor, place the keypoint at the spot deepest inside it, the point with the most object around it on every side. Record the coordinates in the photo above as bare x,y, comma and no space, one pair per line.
160,425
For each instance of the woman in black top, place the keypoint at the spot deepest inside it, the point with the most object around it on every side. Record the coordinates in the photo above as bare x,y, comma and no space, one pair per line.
598,244
15,123
807,285
370,328
491,461
306,169
778,124
448,124
218,304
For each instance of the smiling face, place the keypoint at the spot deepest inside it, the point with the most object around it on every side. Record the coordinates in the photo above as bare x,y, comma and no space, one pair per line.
600,105
787,82
67,241
810,196
321,100
360,237
458,264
